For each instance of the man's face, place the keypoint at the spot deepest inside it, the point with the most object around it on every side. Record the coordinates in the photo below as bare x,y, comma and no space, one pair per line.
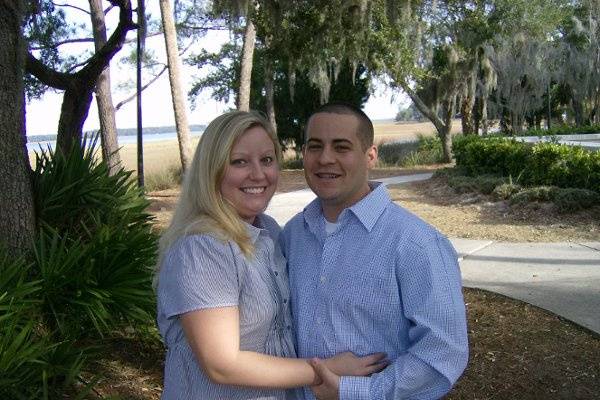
335,164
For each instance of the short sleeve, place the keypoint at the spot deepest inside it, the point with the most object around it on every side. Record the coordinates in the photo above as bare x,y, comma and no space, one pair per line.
198,272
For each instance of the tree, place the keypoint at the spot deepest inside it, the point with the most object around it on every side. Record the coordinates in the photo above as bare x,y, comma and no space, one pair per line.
351,85
106,110
17,218
179,106
79,86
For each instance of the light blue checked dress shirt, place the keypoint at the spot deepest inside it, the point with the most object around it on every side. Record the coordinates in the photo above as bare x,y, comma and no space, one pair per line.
384,281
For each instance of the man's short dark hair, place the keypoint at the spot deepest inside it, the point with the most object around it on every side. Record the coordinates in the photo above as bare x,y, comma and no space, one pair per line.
365,126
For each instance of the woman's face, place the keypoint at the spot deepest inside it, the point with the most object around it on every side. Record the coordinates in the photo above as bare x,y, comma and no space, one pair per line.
250,178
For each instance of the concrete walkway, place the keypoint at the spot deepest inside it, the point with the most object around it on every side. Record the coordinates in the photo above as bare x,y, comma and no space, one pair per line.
563,278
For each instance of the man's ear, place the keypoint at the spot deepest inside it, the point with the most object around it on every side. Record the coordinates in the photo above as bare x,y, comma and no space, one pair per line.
303,150
371,155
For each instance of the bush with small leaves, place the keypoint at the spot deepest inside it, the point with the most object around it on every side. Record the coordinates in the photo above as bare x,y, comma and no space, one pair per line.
537,193
572,199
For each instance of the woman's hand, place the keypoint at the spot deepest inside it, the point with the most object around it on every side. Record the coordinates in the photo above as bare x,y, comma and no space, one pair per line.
348,364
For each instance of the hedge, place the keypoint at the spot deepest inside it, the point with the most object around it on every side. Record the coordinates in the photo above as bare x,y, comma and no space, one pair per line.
544,163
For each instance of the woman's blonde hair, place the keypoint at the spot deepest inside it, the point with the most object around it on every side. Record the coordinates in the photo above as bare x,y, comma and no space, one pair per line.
201,208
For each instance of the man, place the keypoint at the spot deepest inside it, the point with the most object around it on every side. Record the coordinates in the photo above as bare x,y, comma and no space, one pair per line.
368,276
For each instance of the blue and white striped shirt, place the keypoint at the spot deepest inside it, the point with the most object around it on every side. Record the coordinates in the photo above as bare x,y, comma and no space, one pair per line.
384,281
200,271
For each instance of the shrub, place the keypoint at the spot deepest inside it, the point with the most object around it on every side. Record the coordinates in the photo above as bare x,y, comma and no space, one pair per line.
538,193
426,150
167,178
505,191
32,364
293,163
482,184
392,154
562,130
90,274
541,164
571,199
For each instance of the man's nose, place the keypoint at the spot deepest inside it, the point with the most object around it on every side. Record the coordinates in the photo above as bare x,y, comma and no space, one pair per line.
326,156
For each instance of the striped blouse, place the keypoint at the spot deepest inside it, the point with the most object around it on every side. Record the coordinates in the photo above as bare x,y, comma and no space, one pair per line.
200,271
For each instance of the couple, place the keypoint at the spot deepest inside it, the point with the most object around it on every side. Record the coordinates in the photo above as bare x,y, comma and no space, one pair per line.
375,293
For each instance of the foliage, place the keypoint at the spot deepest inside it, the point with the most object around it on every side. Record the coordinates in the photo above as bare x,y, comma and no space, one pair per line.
572,199
410,113
32,365
293,103
88,276
562,130
166,178
536,193
426,150
505,191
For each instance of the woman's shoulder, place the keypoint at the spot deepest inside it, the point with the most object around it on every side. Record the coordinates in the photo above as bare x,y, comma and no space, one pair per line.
270,225
198,243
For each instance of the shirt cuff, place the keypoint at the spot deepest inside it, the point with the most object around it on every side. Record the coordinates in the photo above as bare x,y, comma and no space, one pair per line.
354,388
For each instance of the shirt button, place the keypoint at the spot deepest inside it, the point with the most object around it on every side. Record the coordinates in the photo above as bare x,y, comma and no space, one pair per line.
284,301
276,273
288,327
323,279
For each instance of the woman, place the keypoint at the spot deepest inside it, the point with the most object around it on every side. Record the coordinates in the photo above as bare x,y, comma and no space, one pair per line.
223,307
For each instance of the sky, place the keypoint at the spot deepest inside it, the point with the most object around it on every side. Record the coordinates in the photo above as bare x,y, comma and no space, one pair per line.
42,115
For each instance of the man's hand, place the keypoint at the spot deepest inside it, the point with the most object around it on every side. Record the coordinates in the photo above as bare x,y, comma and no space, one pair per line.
329,387
348,364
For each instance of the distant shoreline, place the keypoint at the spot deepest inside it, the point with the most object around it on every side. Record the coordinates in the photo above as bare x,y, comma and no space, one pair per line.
151,130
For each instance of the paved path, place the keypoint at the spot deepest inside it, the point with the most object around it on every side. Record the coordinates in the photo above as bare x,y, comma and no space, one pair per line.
560,277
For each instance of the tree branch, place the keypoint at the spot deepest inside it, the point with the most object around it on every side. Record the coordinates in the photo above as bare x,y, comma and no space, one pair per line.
67,41
102,57
133,96
71,6
46,75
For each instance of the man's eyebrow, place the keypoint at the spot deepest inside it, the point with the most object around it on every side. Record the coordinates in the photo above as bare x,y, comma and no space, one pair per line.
314,140
342,141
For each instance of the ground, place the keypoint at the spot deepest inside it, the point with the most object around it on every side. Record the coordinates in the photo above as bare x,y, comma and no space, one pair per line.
517,351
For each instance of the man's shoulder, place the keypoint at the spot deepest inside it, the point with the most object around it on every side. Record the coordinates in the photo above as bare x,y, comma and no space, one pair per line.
409,225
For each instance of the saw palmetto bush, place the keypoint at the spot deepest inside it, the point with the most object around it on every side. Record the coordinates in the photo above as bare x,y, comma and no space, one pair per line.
89,275
33,365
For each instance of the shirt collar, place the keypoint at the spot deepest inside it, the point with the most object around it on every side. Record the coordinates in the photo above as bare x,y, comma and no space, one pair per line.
367,210
255,230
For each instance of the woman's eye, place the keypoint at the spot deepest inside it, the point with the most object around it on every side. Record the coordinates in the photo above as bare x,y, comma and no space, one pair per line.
238,161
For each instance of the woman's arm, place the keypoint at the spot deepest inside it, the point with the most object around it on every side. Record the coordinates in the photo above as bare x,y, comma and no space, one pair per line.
214,336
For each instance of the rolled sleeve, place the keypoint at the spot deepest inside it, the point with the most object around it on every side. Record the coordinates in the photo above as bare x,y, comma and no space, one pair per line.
354,388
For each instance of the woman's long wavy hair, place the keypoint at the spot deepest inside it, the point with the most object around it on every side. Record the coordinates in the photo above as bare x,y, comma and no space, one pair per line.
201,208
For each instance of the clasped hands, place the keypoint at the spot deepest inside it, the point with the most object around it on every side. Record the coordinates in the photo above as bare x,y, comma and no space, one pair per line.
329,371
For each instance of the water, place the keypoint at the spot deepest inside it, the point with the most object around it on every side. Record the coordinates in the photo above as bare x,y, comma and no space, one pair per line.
33,144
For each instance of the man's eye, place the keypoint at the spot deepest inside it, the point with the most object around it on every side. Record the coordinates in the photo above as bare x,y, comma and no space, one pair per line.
313,147
267,160
342,148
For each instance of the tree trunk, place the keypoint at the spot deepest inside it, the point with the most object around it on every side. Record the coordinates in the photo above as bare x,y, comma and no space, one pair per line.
484,115
79,86
444,132
477,115
442,127
246,66
179,104
17,217
270,93
106,110
466,110
73,113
